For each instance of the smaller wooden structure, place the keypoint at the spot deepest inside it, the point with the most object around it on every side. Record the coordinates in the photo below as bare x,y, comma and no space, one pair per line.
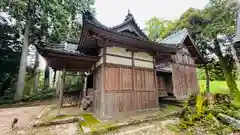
177,74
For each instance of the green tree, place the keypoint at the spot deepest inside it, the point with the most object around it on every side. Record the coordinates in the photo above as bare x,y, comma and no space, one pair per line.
214,32
10,51
213,29
42,21
158,29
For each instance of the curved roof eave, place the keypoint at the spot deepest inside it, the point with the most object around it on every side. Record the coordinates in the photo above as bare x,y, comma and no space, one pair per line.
129,21
91,25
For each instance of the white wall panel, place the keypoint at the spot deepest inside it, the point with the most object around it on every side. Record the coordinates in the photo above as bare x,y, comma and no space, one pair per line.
118,51
143,56
144,64
118,60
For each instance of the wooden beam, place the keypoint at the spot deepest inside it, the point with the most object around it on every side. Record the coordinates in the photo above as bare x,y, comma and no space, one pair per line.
143,60
118,56
133,72
104,55
126,66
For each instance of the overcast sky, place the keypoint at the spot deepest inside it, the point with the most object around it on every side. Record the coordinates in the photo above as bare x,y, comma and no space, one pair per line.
113,12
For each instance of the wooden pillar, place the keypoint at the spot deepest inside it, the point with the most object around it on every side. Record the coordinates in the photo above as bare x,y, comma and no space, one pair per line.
80,96
59,73
61,87
103,82
155,79
85,85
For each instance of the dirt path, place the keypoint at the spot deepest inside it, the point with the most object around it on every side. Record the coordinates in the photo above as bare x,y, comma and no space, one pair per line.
62,129
154,128
25,116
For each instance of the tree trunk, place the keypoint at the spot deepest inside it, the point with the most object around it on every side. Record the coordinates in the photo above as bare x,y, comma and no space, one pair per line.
207,79
1,91
36,76
54,78
231,83
23,63
46,77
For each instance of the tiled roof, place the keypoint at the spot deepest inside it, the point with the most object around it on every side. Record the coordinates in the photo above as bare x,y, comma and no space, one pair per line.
63,48
176,38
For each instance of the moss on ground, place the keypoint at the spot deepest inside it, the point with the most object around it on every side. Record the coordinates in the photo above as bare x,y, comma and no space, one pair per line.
201,118
89,120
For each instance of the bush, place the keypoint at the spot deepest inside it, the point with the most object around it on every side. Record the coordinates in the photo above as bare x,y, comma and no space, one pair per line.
41,94
198,115
8,94
3,102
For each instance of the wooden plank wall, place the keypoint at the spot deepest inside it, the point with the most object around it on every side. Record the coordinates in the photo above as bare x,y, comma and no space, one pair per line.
120,94
162,88
97,92
184,75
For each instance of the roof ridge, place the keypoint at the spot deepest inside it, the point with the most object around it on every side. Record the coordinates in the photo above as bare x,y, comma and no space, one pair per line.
131,19
131,37
119,25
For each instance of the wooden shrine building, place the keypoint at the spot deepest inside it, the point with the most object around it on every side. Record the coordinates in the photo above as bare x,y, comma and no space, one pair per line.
177,74
121,62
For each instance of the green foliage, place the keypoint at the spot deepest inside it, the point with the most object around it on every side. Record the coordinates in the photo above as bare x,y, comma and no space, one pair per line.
41,94
6,102
50,21
199,104
201,74
216,86
215,72
8,94
9,56
158,29
213,30
73,83
202,117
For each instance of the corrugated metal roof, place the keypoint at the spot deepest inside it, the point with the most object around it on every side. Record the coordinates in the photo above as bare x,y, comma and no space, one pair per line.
176,38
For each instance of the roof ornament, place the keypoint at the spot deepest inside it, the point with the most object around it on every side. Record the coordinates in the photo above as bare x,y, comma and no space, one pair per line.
129,15
87,15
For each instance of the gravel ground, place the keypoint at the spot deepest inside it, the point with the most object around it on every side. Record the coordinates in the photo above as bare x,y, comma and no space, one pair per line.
154,128
25,116
62,129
